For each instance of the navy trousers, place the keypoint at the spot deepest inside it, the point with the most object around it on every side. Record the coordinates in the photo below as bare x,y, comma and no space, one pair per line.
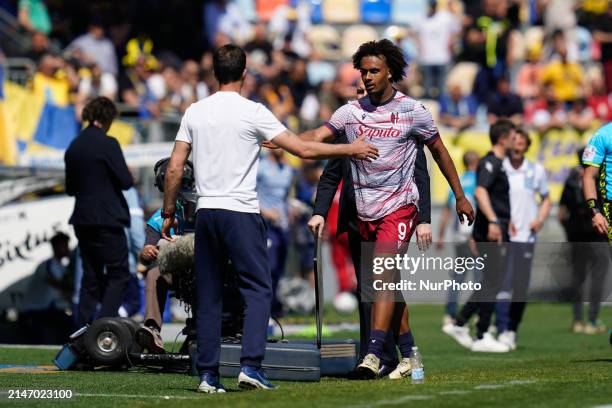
240,237
106,272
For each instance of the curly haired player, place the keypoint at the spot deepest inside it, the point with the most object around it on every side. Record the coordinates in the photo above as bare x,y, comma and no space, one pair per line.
385,191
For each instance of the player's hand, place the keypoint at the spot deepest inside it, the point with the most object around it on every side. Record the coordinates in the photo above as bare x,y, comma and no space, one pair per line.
316,225
149,253
364,151
269,145
464,208
495,233
512,229
423,235
536,226
271,215
167,225
600,224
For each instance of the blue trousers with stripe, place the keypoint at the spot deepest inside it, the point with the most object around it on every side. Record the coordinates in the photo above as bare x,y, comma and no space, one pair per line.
240,237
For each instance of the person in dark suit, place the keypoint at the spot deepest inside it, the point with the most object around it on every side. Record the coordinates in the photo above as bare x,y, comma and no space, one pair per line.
338,170
96,173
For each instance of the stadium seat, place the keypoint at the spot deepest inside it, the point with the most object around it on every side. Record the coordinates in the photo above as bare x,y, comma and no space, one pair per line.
356,35
247,9
316,11
325,39
463,74
375,11
407,11
265,8
341,11
534,36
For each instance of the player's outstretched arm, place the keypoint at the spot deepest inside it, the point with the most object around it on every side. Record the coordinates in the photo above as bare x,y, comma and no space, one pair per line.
321,134
445,162
359,149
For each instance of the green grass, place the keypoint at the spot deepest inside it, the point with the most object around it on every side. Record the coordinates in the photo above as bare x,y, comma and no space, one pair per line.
551,368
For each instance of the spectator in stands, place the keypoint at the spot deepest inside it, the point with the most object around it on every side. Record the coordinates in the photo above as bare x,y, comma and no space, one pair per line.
591,12
40,47
436,36
288,27
581,116
136,90
557,41
491,33
97,47
55,80
504,104
193,88
174,101
297,81
278,98
457,111
553,116
224,17
600,101
528,77
603,35
33,16
566,77
259,49
96,83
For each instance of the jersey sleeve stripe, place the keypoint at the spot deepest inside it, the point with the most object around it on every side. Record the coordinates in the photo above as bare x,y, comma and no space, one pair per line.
432,139
331,128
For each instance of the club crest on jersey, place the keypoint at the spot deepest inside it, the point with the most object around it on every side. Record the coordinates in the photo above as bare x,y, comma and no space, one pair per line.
394,117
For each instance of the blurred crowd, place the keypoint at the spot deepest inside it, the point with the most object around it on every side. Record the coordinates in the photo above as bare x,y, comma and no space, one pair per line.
543,63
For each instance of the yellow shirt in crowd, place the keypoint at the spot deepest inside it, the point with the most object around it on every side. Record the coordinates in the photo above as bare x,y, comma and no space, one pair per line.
565,78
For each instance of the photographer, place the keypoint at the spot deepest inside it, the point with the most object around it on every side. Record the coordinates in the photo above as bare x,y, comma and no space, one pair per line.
156,284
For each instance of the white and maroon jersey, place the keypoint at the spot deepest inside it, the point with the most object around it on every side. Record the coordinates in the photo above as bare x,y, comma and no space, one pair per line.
394,127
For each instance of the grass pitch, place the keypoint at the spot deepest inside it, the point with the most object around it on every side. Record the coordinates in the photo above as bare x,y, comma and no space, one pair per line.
551,368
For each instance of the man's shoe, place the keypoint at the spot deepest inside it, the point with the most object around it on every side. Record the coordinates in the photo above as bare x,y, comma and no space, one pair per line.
150,339
577,327
252,378
460,333
386,369
209,384
447,319
594,328
403,370
488,344
368,369
508,338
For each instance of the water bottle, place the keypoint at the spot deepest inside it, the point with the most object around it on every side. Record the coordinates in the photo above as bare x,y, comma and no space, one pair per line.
416,362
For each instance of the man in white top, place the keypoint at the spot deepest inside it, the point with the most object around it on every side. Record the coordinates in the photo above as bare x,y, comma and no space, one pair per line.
225,132
436,35
527,181
97,47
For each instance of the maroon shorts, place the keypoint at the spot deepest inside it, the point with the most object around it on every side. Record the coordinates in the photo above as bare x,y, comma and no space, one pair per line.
392,232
